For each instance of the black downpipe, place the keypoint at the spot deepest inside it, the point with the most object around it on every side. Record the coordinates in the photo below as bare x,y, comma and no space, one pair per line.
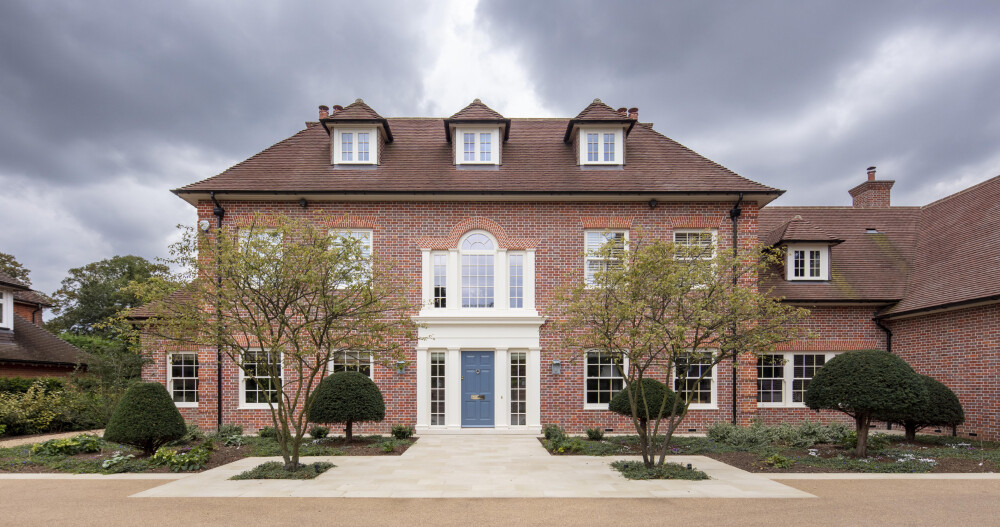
219,213
888,333
734,215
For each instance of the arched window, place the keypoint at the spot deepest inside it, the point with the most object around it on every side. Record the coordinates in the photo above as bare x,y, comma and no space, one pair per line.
478,254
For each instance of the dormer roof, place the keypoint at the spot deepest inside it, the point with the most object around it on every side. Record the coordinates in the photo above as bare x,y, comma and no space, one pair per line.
477,113
798,229
357,113
598,113
10,281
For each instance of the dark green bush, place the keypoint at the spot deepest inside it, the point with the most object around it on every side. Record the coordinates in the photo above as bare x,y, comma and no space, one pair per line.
941,408
636,470
552,430
401,431
865,384
268,432
146,418
21,384
595,434
276,470
648,399
347,397
319,432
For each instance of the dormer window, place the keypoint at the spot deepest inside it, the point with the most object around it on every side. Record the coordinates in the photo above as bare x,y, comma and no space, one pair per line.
601,146
808,262
355,146
6,309
476,146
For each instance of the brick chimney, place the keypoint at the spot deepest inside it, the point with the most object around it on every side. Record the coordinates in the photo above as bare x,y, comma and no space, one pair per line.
872,194
623,111
633,113
324,112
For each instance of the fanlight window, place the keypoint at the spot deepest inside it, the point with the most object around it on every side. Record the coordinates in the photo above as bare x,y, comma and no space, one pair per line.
477,242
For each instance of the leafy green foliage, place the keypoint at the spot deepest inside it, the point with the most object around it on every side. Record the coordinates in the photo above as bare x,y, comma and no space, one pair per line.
347,397
67,446
179,460
876,442
193,435
146,418
276,470
595,434
267,431
21,384
401,431
39,411
319,432
941,408
779,461
551,430
14,269
759,435
649,396
637,470
559,442
865,384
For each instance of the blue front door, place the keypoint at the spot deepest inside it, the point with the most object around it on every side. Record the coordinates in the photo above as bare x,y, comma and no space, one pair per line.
477,389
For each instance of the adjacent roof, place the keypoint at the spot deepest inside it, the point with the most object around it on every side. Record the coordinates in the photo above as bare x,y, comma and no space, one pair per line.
32,344
477,111
797,229
32,297
10,281
535,160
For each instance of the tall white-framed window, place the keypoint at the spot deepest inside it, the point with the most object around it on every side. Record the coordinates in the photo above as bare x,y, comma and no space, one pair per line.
518,388
515,267
477,146
182,378
6,309
808,262
258,243
440,279
478,251
354,146
437,388
699,243
602,379
601,146
364,239
260,378
359,361
783,378
593,241
699,392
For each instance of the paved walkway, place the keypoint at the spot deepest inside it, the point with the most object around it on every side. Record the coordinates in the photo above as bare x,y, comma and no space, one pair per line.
477,467
27,440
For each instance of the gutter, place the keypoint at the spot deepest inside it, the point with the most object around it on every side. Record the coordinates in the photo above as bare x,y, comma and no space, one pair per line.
888,332
734,216
219,213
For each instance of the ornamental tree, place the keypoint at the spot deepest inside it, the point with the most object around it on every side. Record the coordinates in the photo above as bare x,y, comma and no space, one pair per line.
280,297
865,385
941,408
347,397
145,418
654,306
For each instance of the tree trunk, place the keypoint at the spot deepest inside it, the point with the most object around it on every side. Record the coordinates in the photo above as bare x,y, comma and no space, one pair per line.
911,431
348,431
645,444
862,423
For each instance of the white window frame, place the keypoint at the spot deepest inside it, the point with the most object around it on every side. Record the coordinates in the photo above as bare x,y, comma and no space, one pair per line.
367,246
510,285
588,252
6,309
713,232
355,363
337,150
462,253
441,302
619,145
714,405
824,262
459,142
243,405
788,377
171,378
599,406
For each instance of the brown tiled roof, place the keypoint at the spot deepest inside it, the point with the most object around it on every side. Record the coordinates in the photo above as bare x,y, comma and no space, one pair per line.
797,229
477,111
958,252
866,266
598,111
32,297
535,161
356,111
10,281
32,344
151,309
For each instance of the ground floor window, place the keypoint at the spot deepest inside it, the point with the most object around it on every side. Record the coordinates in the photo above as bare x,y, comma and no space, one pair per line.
260,378
603,377
437,389
694,379
359,361
518,388
182,378
783,379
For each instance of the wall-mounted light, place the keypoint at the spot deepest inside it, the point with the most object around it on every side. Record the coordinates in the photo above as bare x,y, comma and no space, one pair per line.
204,225
556,367
303,203
653,203
401,366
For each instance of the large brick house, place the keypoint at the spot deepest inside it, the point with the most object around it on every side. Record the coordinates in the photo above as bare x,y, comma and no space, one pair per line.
27,349
486,215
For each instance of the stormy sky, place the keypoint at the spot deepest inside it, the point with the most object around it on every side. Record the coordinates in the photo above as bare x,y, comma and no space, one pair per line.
106,106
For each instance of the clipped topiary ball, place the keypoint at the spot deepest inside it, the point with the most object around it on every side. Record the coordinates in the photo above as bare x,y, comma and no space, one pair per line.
941,408
654,392
146,418
347,397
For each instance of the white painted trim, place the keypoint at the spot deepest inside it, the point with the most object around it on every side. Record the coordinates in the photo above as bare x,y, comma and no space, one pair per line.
7,308
824,261
170,378
619,153
788,376
336,145
459,142
501,388
424,387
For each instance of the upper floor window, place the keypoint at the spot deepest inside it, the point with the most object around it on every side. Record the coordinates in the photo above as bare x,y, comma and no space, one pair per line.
476,146
601,146
355,146
478,253
359,361
808,262
515,263
696,243
440,271
5,317
595,261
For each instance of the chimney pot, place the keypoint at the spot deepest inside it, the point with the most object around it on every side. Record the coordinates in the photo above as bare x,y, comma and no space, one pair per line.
633,113
623,111
324,112
337,108
871,173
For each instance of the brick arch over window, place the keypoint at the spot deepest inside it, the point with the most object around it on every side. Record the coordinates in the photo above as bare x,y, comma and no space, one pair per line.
504,241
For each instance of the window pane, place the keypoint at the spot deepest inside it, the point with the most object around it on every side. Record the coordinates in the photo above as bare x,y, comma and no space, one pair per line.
592,147
687,372
182,377
359,361
516,281
814,262
518,362
609,147
437,389
770,379
262,374
470,147
484,147
440,280
477,242
362,146
346,147
603,379
799,264
477,280
804,368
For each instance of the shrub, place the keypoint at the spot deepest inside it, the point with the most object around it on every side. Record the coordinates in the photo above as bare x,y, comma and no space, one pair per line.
69,446
876,442
652,393
551,430
865,384
146,418
319,432
347,397
941,408
3,428
779,461
401,432
193,435
267,432
567,445
595,434
194,459
637,470
116,462
758,435
276,470
21,384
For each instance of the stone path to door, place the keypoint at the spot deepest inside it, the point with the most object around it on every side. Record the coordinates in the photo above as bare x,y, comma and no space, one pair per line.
481,466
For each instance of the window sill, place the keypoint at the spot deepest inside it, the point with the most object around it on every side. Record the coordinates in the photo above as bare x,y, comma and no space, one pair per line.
186,405
703,406
595,406
253,406
781,405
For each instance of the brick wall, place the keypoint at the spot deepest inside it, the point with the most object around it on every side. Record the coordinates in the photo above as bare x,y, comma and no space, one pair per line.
27,312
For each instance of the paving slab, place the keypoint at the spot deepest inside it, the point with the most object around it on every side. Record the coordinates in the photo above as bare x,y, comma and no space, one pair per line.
476,467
